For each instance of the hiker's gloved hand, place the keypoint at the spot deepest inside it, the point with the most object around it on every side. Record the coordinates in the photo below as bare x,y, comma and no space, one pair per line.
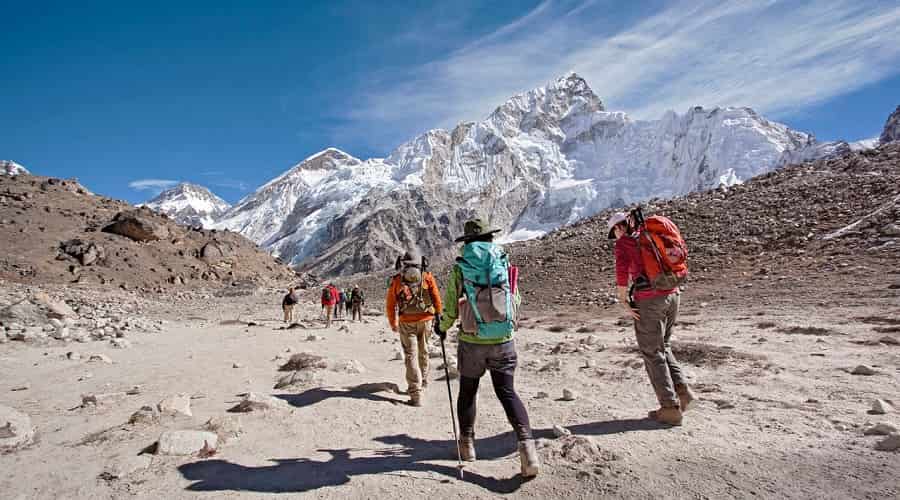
437,327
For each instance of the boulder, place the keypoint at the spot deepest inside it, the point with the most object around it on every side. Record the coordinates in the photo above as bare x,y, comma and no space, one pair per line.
569,395
147,415
863,370
86,252
55,308
351,366
226,427
881,429
23,313
138,226
186,442
881,407
304,361
256,402
298,379
214,252
16,430
176,405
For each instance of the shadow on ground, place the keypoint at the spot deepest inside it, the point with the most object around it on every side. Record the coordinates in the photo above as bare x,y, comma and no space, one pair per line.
404,454
364,391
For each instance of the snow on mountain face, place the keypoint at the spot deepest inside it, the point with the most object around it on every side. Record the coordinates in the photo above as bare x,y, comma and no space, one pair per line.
891,128
189,204
11,168
544,158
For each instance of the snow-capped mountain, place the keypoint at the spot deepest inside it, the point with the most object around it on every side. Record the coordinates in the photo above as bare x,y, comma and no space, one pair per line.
11,168
542,159
189,204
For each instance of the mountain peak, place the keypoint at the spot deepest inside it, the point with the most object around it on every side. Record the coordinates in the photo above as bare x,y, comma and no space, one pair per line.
189,204
891,128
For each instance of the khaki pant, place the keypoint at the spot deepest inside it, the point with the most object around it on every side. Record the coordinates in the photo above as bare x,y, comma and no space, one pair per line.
414,337
329,311
653,332
356,311
288,313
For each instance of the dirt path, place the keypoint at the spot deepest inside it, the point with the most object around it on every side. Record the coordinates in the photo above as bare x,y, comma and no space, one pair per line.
780,416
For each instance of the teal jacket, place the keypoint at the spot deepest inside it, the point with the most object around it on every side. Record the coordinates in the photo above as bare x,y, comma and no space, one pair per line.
452,293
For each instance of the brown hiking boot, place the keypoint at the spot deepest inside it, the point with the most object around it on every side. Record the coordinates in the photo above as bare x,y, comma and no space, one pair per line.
667,415
415,399
467,449
685,396
528,458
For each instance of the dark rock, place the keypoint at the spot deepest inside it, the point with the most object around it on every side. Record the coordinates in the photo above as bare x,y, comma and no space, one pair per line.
138,226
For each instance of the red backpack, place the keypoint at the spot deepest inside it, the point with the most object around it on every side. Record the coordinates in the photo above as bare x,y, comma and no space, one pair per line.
663,251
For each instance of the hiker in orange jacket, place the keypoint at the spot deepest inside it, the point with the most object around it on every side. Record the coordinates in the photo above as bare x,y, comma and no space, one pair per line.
411,303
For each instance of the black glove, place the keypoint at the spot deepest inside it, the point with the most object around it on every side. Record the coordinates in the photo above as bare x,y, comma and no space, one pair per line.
437,327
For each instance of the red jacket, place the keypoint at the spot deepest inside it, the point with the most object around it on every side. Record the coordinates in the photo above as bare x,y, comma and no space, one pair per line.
334,297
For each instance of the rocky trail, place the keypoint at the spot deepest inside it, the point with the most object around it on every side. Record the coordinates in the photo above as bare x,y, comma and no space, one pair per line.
790,406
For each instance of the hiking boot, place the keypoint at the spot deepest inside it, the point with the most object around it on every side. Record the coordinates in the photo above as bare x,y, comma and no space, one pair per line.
528,457
467,449
415,399
669,415
685,396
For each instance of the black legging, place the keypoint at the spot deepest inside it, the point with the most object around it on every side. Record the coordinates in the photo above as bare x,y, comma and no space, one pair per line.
505,389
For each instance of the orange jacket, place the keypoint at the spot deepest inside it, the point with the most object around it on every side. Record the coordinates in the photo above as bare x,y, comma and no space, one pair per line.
428,283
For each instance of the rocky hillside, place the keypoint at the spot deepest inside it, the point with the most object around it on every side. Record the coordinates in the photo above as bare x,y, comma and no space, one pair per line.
800,227
544,158
189,204
55,231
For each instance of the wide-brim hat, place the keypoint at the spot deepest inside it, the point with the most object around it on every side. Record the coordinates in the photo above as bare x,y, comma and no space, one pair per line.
475,229
614,220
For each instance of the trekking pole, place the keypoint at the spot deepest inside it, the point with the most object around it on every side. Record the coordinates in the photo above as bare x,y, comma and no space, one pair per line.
459,464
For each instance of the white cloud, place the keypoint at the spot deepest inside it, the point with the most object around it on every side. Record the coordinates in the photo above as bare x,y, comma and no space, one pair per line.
777,57
153,185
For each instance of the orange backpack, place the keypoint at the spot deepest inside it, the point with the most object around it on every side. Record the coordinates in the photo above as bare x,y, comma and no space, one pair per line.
663,252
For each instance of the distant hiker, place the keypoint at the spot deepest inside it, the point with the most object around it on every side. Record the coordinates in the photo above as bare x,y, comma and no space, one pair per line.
413,295
348,294
329,299
288,303
651,257
483,276
339,307
357,300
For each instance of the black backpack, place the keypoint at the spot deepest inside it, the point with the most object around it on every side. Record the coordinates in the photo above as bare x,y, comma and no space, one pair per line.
326,294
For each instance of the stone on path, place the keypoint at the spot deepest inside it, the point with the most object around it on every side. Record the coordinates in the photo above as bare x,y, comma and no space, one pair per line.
103,358
881,407
304,361
351,366
881,429
298,378
255,402
569,395
541,395
863,370
16,430
146,415
226,427
890,443
176,405
889,340
560,431
185,442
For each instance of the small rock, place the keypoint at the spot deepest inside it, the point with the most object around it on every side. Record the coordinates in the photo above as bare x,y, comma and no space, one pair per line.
398,356
304,361
298,379
237,365
146,415
560,431
179,404
554,365
23,387
722,404
255,402
541,395
74,356
102,358
101,399
881,429
863,370
185,442
120,343
226,427
569,395
351,366
881,407
125,465
16,430
889,340
890,443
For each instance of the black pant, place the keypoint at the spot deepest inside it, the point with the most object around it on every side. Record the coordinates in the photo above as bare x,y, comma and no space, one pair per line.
504,387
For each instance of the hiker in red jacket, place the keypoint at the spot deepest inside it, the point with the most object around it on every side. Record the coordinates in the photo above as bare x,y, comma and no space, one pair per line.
329,300
654,312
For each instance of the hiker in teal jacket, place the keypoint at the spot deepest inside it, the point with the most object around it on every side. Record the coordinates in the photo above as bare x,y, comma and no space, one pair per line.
481,276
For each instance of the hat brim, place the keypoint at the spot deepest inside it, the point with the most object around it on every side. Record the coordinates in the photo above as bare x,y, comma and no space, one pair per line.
470,237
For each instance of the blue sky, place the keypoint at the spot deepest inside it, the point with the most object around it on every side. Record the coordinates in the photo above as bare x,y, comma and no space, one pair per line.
230,94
